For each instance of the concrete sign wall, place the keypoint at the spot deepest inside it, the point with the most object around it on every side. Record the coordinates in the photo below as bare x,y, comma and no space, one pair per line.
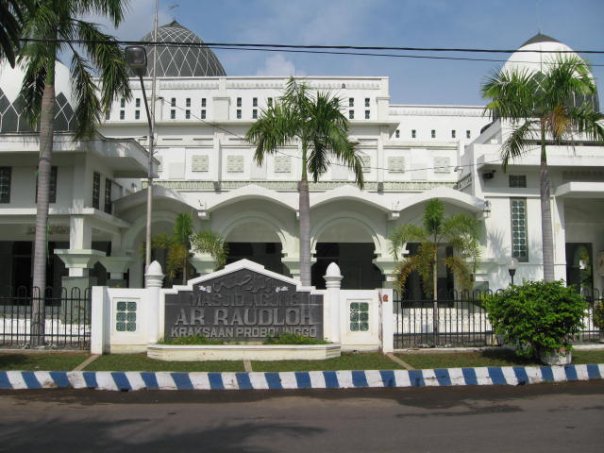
243,303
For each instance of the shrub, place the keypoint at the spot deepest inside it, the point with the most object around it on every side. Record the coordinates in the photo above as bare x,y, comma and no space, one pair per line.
191,340
292,338
536,316
599,314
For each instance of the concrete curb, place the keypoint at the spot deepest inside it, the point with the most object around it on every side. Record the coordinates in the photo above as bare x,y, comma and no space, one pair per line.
136,380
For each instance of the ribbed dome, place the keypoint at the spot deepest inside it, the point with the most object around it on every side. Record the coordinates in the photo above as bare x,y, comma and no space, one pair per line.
12,107
549,51
181,61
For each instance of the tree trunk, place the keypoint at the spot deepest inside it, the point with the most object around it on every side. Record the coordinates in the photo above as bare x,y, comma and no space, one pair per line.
435,295
304,207
41,239
547,237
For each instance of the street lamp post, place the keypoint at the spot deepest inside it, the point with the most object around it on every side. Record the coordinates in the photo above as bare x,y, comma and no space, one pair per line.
136,57
513,265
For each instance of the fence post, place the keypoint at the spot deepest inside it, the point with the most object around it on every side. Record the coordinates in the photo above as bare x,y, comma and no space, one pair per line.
333,282
153,282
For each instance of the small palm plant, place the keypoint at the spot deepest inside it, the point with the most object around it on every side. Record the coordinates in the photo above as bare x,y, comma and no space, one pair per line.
460,231
208,241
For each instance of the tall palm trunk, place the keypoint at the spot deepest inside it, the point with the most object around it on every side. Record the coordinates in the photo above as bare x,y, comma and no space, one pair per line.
304,233
435,294
304,206
547,238
40,245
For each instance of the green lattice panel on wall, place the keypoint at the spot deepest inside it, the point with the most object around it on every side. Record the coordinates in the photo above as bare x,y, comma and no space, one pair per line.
125,316
359,317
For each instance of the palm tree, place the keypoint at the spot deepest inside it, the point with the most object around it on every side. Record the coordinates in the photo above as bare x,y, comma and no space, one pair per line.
460,231
321,128
11,23
208,241
544,108
51,26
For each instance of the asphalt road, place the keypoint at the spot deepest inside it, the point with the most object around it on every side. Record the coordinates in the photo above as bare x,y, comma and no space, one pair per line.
535,418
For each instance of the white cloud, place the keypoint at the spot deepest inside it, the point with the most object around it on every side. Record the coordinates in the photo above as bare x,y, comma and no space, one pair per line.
278,65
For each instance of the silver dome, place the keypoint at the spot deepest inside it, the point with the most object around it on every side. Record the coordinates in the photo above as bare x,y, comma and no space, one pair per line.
181,61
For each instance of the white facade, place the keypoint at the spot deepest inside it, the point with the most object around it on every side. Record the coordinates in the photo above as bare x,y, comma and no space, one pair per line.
204,166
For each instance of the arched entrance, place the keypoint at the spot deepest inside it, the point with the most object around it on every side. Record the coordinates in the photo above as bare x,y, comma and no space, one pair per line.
350,245
256,241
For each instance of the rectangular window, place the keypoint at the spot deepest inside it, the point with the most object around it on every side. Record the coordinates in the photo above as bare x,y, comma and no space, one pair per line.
367,114
468,134
203,114
107,114
137,114
5,180
122,114
108,205
269,102
188,102
137,103
239,102
52,189
173,102
350,102
238,114
433,133
96,190
122,102
254,102
397,133
413,133
519,229
188,114
172,114
453,133
203,102
366,102
350,114
255,113
517,180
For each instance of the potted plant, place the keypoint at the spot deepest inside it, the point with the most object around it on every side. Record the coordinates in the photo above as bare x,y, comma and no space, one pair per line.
539,318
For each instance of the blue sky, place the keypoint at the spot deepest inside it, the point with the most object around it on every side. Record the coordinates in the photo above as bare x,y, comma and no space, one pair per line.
497,24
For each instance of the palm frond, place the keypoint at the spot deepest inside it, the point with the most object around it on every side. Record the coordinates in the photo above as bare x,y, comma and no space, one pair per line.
403,234
461,270
208,241
87,111
516,143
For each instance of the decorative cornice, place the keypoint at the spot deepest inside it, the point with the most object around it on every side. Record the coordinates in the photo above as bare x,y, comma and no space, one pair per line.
292,186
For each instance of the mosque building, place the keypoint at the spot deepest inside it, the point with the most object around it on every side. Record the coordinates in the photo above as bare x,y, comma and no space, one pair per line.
205,167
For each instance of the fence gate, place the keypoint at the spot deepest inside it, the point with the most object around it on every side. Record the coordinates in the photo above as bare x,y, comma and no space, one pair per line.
450,322
66,318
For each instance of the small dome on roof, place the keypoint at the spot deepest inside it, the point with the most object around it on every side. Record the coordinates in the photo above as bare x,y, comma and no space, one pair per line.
11,104
181,60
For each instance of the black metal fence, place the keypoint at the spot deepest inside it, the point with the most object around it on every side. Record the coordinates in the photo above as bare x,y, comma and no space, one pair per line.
459,320
65,323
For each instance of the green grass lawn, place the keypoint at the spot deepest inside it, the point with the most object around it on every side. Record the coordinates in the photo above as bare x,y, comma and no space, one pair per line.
66,361
44,361
588,356
348,361
140,362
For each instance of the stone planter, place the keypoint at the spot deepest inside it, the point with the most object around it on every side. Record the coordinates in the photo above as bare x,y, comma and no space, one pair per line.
556,358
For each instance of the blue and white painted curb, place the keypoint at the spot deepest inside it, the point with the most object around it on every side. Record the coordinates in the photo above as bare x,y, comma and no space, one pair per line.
136,380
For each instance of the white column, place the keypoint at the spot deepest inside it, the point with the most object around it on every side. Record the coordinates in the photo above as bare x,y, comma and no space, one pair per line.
153,282
80,238
99,320
331,321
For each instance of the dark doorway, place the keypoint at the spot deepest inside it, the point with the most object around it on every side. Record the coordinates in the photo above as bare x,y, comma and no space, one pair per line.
267,254
579,267
355,261
414,288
